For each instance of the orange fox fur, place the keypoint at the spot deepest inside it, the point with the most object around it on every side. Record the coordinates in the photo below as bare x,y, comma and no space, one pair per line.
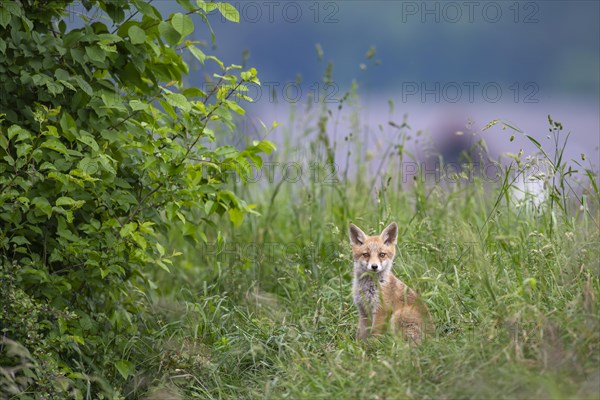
383,301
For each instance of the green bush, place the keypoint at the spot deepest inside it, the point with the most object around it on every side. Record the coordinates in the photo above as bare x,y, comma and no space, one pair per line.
103,150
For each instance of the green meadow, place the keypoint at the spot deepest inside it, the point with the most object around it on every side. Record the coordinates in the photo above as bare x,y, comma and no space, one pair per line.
144,257
510,279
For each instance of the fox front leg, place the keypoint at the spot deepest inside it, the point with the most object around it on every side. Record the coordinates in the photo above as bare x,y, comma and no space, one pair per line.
362,328
362,332
379,322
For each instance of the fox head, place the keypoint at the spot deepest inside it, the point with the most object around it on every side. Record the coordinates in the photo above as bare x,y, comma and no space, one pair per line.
373,253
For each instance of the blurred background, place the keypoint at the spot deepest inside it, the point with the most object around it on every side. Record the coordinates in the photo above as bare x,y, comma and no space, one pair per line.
450,67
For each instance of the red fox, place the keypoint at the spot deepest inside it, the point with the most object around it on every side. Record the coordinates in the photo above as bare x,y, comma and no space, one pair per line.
381,298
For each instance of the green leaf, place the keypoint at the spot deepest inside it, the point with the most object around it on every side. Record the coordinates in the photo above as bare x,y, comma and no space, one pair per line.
88,139
196,52
109,38
187,5
140,240
112,100
590,175
19,240
168,108
137,105
182,24
537,144
206,7
95,53
160,248
208,207
68,124
42,204
193,92
235,107
56,145
236,216
88,165
215,59
128,229
249,75
161,264
15,130
146,9
265,146
136,34
54,88
84,85
77,339
178,100
229,12
12,7
171,36
4,17
67,201
125,368
27,24
67,85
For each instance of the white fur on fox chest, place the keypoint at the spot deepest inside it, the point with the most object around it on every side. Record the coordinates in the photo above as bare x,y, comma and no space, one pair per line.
366,292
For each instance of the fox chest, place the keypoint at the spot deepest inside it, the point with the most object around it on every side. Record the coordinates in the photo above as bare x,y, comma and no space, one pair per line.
367,295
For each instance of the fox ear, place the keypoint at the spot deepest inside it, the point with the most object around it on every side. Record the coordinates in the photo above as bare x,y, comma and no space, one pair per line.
356,235
390,234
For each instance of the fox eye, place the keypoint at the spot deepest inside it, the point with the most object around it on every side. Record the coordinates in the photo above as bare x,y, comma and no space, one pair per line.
365,254
381,255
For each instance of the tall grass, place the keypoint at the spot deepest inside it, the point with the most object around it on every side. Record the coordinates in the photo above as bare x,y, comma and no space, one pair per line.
264,310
